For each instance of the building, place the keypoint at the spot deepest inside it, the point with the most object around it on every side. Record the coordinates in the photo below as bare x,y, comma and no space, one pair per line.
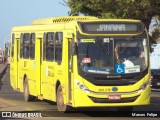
2,55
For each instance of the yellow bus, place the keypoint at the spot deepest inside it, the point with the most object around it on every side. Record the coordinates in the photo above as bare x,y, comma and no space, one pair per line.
82,61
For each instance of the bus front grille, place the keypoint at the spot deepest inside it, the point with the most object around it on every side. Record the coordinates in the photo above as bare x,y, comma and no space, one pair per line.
106,100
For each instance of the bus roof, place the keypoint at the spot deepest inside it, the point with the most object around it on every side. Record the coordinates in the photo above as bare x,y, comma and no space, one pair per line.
65,19
59,22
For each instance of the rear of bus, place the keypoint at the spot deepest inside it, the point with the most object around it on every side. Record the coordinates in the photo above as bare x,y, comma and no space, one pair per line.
111,67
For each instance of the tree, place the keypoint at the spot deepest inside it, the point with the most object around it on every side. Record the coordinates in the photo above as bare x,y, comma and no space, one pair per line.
132,9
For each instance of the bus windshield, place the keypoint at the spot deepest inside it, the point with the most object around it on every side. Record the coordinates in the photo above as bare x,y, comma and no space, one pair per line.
104,55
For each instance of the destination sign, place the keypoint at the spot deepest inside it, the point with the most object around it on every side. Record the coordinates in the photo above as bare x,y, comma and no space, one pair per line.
111,27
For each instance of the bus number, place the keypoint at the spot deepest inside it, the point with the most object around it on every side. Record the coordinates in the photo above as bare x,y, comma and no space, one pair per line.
104,90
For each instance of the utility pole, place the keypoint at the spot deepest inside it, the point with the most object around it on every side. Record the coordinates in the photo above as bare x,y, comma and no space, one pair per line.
7,47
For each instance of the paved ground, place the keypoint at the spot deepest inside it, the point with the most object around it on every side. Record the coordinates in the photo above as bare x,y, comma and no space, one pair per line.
13,101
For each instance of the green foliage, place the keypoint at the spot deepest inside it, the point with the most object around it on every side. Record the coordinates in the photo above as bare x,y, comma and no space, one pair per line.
132,9
155,35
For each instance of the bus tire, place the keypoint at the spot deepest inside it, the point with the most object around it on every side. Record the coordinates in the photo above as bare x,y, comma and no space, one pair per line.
27,96
60,101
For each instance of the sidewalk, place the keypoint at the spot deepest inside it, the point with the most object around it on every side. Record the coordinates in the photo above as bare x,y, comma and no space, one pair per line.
2,68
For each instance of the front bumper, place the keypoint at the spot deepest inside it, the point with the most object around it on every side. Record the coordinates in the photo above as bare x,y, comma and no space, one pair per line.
91,99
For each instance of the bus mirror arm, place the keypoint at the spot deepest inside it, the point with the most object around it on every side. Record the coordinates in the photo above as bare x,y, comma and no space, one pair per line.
74,48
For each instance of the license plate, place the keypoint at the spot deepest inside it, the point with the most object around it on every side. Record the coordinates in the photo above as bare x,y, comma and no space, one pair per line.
114,97
158,83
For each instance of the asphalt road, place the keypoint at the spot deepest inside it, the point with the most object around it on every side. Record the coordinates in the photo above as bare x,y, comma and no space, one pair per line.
12,101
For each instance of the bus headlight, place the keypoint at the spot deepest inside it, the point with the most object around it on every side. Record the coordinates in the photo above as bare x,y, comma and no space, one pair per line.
145,84
81,86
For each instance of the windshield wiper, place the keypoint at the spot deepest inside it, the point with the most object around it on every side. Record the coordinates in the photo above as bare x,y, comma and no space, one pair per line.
101,46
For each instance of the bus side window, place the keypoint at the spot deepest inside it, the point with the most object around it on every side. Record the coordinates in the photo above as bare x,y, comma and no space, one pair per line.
26,38
12,47
21,45
32,46
49,45
58,46
44,46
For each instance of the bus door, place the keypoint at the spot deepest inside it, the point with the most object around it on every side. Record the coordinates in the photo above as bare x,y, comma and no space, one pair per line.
71,48
16,60
47,66
70,69
38,54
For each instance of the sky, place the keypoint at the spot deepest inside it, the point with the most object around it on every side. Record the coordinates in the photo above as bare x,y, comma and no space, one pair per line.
23,12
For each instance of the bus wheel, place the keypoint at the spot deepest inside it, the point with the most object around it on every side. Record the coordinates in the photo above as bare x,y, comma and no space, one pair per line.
27,96
60,101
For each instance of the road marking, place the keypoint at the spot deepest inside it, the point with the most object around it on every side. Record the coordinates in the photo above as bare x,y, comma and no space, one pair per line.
7,102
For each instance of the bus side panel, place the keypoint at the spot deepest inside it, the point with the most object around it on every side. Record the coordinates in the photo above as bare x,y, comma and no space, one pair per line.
37,65
12,76
21,73
31,75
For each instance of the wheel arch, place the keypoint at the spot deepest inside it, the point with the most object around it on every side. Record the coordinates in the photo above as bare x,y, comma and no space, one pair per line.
57,84
24,77
24,80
